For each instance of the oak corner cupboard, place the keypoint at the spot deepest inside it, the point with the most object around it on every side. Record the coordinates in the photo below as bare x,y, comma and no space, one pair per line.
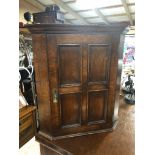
77,78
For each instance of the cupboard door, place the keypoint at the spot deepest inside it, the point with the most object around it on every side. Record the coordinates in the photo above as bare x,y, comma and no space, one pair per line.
69,72
79,77
98,66
65,76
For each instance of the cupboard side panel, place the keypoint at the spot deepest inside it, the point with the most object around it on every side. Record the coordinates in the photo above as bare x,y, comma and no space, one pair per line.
113,78
42,83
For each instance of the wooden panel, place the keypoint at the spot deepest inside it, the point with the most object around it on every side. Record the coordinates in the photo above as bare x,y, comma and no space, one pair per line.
53,80
98,59
47,151
119,71
27,124
26,110
113,78
97,106
70,109
69,59
48,148
42,81
94,86
26,135
84,84
70,89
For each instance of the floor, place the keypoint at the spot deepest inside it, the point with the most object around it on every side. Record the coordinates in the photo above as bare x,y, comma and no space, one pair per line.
119,142
30,148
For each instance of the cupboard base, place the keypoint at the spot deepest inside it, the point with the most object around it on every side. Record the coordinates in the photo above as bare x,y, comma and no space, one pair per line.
48,148
40,135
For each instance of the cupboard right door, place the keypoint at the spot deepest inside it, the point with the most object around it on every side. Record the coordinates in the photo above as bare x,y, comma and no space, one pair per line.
96,77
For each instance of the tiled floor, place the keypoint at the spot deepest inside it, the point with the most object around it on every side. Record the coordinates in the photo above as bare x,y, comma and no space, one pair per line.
119,142
30,148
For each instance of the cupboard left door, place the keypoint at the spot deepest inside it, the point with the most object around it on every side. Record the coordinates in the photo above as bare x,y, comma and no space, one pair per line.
65,76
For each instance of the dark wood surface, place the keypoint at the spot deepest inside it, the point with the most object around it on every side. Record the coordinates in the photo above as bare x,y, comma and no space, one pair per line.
48,148
27,124
79,64
47,151
75,29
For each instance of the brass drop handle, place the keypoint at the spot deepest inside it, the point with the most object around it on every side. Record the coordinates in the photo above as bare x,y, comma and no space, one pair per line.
55,96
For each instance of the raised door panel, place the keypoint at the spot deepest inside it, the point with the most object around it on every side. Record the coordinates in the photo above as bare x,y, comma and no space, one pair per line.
70,109
97,103
69,58
98,62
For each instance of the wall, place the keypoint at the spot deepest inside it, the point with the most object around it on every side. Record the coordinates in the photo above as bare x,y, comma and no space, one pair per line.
25,6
